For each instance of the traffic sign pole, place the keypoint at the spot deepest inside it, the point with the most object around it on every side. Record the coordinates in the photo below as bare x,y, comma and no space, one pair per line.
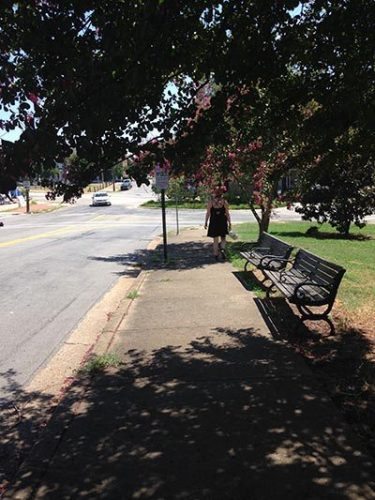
26,185
27,201
161,182
177,222
164,225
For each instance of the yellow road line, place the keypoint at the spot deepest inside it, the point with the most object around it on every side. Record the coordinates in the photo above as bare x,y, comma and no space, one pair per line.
84,227
38,236
98,217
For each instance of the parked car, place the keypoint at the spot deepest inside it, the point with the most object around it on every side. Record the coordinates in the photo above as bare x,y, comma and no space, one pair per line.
101,198
126,184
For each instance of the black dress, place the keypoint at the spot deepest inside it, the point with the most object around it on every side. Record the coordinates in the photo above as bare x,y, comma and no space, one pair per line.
218,225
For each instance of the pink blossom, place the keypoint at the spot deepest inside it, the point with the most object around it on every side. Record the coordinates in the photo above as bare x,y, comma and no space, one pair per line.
33,97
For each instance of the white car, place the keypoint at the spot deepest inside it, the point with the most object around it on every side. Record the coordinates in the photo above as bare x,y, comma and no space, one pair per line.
101,198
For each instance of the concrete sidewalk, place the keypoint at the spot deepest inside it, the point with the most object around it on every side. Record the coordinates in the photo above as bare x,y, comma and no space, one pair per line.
206,404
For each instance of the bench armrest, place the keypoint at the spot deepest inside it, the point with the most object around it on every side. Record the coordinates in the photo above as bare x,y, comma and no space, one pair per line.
280,260
300,294
268,260
260,249
247,246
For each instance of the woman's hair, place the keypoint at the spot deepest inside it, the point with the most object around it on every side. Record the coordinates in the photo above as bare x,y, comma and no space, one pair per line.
217,193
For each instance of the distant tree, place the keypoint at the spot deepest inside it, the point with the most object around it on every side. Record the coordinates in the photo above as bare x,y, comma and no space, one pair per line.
336,61
118,170
342,195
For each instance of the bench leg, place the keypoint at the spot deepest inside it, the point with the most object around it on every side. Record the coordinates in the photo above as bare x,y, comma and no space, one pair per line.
265,278
269,289
307,314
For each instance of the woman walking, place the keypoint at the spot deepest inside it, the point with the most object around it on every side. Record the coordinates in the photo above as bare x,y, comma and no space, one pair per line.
219,223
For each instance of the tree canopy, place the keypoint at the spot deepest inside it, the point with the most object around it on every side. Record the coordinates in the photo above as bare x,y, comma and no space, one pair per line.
98,77
109,79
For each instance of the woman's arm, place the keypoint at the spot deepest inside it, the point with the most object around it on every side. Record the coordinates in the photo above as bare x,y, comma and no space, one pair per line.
208,213
228,215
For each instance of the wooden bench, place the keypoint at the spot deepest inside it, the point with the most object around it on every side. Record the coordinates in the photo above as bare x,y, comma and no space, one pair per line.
309,282
262,253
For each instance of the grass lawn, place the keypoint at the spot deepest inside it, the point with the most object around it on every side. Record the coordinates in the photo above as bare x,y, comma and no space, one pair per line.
172,204
356,255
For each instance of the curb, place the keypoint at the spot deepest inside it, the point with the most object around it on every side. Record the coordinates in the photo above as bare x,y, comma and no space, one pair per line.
105,339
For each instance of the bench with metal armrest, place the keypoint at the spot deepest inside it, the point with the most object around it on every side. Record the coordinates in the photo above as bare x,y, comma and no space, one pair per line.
308,282
262,253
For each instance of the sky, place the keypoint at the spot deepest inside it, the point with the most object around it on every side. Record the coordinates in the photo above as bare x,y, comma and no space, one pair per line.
11,136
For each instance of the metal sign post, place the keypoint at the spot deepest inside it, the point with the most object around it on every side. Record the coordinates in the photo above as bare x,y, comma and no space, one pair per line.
161,182
177,221
164,225
26,185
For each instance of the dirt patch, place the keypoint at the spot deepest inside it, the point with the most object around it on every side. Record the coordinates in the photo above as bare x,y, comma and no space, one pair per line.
38,208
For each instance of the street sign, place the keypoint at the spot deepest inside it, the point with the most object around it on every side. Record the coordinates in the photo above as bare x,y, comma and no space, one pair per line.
161,177
26,184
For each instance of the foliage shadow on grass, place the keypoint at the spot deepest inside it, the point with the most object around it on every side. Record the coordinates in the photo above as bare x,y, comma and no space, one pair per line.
318,235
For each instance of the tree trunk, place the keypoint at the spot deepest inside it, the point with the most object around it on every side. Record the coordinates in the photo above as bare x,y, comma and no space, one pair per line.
257,218
346,228
267,208
266,217
263,220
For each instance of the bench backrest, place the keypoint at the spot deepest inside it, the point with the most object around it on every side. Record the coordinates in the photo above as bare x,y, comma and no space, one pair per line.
277,247
319,270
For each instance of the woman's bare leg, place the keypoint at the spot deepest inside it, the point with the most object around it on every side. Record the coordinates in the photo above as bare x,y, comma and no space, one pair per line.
222,246
216,246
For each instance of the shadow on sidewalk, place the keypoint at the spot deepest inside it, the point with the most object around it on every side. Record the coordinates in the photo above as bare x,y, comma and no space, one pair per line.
186,255
23,415
224,418
344,364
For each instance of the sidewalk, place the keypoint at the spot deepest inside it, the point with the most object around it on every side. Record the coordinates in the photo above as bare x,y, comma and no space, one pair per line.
206,404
